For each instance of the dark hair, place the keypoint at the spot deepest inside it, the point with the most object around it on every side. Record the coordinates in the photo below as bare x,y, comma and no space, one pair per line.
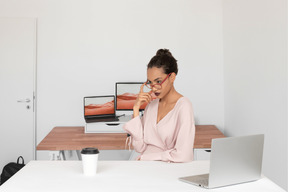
164,59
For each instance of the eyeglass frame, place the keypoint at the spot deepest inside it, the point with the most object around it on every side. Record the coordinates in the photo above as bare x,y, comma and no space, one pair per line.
158,83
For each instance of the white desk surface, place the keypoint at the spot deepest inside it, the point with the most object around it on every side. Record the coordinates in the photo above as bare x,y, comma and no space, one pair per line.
54,176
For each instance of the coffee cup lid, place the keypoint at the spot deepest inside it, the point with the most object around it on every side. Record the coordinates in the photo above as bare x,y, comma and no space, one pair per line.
90,150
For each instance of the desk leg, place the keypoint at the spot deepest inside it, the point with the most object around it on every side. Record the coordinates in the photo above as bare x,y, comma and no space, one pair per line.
79,155
57,155
63,155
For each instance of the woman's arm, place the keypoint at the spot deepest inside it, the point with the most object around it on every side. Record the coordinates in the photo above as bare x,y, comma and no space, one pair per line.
135,128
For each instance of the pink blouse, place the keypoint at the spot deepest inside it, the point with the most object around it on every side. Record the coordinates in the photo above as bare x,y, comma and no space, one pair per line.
171,139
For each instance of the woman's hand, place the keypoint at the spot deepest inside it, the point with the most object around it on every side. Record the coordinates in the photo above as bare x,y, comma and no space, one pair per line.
143,97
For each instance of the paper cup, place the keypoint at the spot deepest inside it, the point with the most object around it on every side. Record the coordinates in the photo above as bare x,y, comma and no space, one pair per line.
89,161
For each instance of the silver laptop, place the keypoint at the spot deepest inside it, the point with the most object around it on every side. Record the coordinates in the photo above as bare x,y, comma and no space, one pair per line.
233,160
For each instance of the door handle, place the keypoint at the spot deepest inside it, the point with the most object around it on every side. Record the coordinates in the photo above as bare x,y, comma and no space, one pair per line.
24,101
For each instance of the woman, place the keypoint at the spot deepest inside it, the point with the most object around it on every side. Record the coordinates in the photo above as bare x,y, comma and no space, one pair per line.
166,131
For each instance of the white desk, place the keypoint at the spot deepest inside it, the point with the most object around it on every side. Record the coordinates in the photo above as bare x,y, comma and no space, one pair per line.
42,176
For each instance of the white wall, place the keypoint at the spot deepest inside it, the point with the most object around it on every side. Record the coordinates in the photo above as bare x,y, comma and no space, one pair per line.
85,46
255,77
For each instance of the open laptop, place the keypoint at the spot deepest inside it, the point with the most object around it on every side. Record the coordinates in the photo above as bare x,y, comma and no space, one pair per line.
100,109
233,160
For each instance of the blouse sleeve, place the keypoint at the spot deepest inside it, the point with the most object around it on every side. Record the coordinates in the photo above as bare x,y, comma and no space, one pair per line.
183,149
135,128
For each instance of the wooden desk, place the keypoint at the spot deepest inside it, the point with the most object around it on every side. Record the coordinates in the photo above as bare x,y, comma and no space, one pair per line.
74,138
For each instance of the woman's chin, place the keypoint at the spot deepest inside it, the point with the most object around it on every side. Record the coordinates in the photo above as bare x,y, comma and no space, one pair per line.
158,97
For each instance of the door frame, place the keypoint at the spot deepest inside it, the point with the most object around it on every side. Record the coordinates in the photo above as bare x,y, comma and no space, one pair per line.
35,92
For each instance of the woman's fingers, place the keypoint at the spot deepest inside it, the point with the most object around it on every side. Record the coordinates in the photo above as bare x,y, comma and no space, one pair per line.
142,87
150,95
145,97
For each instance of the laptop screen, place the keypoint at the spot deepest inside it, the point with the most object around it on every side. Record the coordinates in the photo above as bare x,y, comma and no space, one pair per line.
99,105
126,95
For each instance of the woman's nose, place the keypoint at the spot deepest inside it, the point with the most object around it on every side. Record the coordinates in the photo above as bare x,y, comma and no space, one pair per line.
154,89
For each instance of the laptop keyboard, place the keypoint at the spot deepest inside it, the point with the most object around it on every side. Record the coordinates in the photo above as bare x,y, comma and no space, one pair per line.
106,119
201,180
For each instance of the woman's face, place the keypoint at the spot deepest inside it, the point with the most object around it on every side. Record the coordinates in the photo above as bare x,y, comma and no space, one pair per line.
156,76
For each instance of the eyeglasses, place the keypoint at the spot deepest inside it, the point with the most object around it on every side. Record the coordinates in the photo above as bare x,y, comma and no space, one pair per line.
157,85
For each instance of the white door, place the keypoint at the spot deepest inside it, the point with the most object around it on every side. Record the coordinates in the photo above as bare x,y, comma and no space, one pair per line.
17,89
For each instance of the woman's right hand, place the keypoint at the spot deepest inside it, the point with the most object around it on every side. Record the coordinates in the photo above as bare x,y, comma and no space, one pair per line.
142,98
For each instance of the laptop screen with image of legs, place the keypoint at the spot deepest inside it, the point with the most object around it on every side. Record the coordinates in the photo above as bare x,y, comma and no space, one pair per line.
126,95
233,160
99,109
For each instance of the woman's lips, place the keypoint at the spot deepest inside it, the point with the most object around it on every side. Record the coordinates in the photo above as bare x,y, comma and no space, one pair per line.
157,94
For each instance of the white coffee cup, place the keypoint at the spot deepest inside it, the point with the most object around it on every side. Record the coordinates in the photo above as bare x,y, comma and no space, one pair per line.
89,161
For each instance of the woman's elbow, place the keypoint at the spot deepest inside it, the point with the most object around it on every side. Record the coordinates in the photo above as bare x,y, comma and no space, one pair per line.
139,147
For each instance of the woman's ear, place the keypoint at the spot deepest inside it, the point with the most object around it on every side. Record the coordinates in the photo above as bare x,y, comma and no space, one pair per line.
172,77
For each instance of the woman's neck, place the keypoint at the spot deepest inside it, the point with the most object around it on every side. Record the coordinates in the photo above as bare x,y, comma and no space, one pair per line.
171,97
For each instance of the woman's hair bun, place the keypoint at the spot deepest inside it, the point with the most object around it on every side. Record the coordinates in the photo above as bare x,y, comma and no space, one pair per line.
164,59
162,52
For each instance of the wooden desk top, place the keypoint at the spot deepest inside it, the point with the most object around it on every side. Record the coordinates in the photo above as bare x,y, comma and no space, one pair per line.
74,138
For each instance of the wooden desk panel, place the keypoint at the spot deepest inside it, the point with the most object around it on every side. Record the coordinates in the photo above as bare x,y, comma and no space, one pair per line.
74,138
204,134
